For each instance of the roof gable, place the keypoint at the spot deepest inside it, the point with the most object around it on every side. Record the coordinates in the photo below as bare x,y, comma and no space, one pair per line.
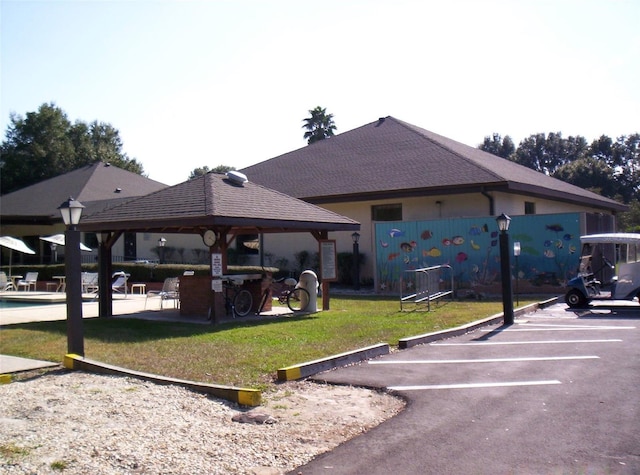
95,186
392,156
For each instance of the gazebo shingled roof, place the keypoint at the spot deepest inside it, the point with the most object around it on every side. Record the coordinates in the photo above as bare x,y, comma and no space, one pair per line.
211,201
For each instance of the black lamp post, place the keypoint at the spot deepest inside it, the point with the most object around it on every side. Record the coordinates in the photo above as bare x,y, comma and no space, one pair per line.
54,252
356,260
71,211
516,253
505,269
161,243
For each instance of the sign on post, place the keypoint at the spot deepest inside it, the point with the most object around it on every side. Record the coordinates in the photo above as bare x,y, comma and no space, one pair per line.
328,260
216,265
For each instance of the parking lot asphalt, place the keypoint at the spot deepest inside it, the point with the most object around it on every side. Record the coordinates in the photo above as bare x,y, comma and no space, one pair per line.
555,393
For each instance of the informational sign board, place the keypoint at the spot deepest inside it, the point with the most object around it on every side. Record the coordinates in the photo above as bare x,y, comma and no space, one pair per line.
328,260
216,265
216,285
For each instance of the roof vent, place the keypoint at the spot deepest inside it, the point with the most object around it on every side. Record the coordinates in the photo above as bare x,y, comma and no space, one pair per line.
237,178
118,190
380,121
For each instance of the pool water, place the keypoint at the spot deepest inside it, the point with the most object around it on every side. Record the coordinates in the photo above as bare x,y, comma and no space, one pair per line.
6,304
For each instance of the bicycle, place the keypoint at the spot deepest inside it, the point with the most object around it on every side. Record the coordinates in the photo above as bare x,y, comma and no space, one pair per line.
296,298
240,303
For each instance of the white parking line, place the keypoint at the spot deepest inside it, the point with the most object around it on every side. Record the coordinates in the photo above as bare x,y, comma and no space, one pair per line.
474,385
510,330
540,342
489,360
551,325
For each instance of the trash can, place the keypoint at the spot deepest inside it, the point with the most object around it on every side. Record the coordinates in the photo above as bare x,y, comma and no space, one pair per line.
309,282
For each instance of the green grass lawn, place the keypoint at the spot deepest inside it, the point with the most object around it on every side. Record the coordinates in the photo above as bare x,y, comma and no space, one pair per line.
242,353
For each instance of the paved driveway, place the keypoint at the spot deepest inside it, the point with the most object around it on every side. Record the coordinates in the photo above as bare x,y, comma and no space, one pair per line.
558,392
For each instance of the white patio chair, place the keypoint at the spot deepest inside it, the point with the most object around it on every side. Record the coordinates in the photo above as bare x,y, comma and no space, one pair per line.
5,283
89,282
170,291
120,284
29,282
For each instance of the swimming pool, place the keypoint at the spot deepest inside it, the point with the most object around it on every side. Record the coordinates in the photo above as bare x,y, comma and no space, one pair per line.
7,304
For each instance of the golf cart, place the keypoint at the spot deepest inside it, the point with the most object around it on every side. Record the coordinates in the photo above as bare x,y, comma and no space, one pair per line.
612,258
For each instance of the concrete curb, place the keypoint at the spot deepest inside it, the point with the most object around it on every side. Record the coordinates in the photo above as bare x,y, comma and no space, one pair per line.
312,367
246,397
405,343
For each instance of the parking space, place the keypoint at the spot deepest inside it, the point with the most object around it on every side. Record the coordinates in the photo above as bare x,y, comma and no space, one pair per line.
555,393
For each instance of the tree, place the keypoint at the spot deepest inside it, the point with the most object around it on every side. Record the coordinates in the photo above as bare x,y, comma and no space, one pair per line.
589,173
196,172
502,147
44,144
319,126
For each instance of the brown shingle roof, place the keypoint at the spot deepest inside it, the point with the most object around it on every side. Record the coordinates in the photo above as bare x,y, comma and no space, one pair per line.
96,186
212,200
391,158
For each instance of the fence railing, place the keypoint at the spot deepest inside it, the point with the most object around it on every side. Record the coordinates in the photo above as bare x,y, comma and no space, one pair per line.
421,286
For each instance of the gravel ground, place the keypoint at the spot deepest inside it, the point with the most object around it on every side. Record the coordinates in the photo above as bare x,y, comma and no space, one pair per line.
80,423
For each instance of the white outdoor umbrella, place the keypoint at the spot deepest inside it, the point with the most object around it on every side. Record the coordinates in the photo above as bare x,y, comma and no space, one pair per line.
59,240
14,244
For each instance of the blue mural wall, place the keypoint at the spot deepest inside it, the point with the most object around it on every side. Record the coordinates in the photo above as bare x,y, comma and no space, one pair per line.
550,249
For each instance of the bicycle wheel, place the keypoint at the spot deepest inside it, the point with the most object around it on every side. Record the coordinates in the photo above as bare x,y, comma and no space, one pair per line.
242,303
298,299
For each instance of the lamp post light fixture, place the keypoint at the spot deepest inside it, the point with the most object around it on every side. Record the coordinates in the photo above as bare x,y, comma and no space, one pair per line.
505,269
161,243
356,260
71,211
516,253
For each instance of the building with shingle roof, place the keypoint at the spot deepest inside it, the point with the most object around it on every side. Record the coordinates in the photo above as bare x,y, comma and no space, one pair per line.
390,170
33,211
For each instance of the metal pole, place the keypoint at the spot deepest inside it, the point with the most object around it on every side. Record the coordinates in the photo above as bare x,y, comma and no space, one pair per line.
505,271
517,282
73,269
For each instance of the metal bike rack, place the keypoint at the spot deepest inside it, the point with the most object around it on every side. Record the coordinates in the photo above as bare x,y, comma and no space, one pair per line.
421,286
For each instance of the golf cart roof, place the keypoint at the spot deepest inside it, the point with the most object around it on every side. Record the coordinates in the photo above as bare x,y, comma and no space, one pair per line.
611,238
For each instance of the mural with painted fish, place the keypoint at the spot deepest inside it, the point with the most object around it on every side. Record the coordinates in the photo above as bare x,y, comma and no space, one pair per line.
549,245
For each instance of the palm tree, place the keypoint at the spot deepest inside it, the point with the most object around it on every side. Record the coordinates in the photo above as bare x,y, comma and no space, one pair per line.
319,126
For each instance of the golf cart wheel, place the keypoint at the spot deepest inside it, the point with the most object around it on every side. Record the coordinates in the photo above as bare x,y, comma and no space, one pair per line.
242,303
575,299
298,299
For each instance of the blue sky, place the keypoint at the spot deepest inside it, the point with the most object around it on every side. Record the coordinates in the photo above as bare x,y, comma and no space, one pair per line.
194,83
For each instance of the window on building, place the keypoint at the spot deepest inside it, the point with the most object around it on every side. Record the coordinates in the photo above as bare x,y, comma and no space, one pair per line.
392,212
529,207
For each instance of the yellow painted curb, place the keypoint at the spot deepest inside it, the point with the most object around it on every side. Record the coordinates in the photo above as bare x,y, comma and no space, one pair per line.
244,396
5,378
69,360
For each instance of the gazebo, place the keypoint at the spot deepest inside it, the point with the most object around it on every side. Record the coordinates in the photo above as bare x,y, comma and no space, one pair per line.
219,206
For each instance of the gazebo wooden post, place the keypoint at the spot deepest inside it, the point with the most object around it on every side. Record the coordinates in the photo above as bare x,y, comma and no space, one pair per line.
217,298
324,284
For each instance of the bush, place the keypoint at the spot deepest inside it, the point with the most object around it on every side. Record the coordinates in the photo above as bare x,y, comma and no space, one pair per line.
346,267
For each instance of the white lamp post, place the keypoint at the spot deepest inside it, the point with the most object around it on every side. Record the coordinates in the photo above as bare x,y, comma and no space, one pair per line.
161,243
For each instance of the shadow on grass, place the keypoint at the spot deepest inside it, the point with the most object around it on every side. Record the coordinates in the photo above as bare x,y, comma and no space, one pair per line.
135,330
